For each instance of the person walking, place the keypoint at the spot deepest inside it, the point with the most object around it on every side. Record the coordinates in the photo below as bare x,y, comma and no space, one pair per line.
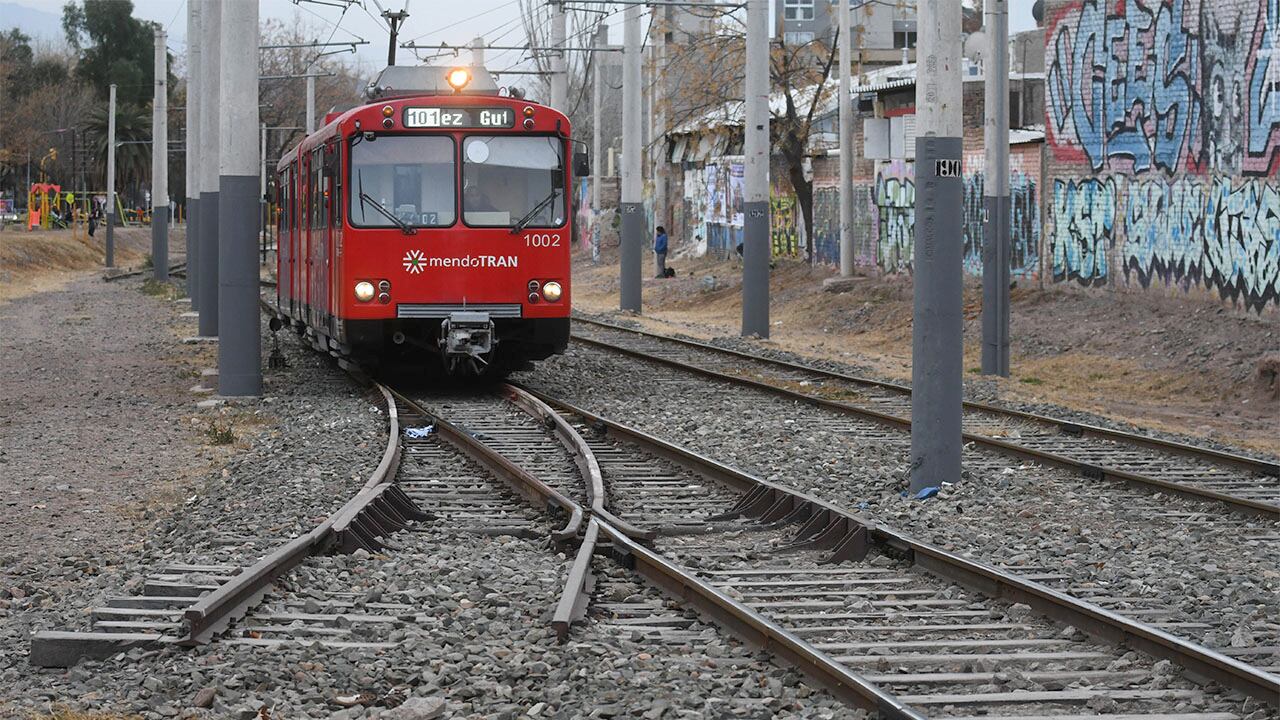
660,251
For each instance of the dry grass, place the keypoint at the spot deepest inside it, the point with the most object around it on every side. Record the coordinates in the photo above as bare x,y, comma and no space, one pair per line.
42,260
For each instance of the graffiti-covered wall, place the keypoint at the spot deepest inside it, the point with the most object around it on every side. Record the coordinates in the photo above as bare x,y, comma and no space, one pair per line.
884,214
1163,129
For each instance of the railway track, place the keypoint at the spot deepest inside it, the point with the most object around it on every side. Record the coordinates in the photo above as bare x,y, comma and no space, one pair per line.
1243,484
881,620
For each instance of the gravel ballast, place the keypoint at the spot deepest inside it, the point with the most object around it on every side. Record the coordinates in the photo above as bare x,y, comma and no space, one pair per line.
1106,539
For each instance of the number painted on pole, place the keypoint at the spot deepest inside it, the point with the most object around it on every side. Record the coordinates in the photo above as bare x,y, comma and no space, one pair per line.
542,240
946,168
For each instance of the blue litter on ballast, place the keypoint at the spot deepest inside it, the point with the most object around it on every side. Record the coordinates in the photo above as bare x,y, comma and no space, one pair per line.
924,493
417,433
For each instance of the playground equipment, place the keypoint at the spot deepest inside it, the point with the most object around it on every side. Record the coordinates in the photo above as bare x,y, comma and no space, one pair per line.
42,199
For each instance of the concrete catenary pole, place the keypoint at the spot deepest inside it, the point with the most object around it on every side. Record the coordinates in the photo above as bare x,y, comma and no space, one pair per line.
937,339
559,76
211,107
658,132
632,206
194,151
111,178
846,142
477,52
239,347
995,195
311,103
597,136
160,163
755,231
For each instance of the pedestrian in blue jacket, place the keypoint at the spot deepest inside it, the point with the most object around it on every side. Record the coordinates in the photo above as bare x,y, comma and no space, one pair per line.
660,251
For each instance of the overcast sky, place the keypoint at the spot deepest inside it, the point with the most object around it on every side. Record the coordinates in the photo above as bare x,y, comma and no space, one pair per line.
430,21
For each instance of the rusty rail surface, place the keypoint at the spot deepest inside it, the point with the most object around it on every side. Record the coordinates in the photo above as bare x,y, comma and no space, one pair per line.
845,534
531,488
1243,505
379,508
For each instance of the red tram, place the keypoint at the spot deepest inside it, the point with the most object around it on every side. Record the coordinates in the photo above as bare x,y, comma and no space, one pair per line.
432,222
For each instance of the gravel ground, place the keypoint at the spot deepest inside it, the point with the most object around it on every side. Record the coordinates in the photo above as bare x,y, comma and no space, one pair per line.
1004,515
977,389
473,641
144,468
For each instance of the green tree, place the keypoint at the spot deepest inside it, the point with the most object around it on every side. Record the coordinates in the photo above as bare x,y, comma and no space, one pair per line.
133,154
114,47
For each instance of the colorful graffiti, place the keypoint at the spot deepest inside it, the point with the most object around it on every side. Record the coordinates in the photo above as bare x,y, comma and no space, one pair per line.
1024,224
783,218
895,222
1166,84
826,225
1221,233
1084,213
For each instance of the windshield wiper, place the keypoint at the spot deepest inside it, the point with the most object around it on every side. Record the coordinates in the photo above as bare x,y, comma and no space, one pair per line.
365,199
528,217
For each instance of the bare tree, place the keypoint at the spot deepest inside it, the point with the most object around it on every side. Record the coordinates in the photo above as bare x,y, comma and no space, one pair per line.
284,102
709,69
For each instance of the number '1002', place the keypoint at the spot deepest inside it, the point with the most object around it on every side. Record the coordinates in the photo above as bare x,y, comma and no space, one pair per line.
541,240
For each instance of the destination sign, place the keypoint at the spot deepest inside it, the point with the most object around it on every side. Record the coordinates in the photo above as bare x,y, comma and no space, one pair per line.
440,117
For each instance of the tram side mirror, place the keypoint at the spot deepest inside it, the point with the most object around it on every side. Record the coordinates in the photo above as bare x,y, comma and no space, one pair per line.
581,163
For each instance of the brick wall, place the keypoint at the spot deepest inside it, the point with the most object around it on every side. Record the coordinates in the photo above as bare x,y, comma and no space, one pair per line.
1163,145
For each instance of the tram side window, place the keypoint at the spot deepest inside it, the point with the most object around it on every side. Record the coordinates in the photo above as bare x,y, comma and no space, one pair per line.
322,187
405,179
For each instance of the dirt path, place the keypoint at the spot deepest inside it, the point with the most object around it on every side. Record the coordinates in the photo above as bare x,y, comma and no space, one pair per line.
1173,364
96,425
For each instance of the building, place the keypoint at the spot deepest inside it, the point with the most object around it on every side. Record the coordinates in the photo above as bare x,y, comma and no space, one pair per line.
885,32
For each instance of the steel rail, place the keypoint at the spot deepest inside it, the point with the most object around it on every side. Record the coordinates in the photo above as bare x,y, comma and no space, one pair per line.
583,457
754,628
1243,505
134,273
578,587
531,488
825,524
1243,462
377,509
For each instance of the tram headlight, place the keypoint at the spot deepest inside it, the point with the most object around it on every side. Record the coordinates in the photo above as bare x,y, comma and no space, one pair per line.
551,291
364,291
458,78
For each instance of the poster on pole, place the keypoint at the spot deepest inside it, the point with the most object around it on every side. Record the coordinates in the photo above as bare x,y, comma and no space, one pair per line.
737,193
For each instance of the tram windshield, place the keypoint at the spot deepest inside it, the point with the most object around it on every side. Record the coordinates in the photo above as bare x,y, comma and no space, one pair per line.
513,181
403,180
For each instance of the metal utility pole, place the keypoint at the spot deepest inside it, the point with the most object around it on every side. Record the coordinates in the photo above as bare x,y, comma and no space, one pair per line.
239,349
995,195
311,104
394,21
846,142
160,164
263,220
111,178
755,231
597,92
559,77
211,107
194,151
937,338
632,206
